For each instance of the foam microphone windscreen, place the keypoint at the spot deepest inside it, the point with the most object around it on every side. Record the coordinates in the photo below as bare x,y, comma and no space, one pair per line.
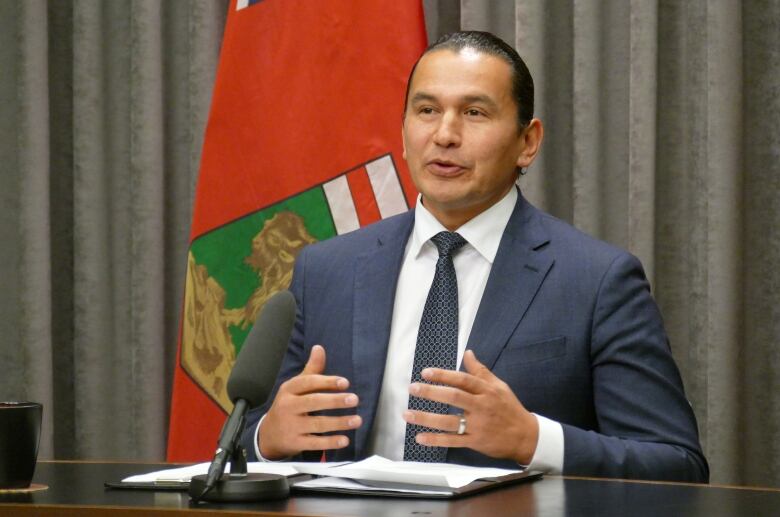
257,365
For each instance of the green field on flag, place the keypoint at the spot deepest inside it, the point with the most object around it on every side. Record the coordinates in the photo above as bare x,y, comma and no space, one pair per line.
222,251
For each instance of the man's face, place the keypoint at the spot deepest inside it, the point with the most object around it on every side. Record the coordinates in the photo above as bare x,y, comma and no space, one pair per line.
461,137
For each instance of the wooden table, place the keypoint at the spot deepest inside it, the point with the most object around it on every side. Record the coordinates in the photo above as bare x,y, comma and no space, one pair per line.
76,489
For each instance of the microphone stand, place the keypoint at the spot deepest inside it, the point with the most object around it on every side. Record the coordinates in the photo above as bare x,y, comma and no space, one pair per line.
264,344
238,485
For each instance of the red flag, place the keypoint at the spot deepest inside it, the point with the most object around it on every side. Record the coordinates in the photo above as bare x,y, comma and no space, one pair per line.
303,142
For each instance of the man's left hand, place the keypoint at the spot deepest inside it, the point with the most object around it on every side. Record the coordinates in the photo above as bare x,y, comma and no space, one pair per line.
497,423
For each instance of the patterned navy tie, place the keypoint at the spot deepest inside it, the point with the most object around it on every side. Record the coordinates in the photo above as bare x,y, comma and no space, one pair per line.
437,342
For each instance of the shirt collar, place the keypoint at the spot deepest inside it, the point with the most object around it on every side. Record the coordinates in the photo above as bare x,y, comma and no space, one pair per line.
483,232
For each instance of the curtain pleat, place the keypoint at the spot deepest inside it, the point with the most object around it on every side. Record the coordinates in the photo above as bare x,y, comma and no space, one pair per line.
12,383
146,233
641,131
759,245
32,138
93,291
60,410
661,137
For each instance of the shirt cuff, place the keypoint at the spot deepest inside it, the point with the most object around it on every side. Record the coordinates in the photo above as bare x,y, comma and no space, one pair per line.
257,442
548,457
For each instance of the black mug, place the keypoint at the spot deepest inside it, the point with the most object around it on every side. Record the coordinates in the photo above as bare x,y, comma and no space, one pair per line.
20,433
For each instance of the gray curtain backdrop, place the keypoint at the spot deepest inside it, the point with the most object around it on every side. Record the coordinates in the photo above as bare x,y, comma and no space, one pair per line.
102,111
661,136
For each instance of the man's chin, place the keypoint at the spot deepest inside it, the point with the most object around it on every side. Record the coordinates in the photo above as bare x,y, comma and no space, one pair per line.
447,202
444,197
444,190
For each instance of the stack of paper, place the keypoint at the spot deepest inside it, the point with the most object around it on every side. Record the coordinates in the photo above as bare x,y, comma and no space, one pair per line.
374,474
377,468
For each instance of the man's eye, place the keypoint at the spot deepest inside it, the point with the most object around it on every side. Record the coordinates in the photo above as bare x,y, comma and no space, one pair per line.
473,113
425,110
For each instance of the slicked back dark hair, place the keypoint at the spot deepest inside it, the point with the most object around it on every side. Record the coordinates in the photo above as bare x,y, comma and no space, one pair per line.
487,43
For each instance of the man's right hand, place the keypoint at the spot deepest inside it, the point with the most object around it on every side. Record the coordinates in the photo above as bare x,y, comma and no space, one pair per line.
288,428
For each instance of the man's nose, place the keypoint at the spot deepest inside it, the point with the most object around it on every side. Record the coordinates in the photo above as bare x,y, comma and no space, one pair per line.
448,132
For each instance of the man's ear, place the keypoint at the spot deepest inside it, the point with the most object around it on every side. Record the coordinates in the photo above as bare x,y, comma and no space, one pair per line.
403,137
530,141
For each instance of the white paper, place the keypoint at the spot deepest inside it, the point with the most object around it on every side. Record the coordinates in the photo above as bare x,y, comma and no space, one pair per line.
377,468
184,474
349,484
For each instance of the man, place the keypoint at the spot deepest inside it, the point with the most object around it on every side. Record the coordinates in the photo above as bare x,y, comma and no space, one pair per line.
564,364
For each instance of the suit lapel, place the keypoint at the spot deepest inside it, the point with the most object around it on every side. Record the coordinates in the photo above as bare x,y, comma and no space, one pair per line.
518,271
376,277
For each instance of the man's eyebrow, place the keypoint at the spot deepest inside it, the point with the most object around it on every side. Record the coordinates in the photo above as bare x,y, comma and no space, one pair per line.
480,99
467,99
422,96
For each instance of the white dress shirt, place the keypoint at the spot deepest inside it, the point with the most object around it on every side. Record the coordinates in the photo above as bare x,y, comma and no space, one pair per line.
472,268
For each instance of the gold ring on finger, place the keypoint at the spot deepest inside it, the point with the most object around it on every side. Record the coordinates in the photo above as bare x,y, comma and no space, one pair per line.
462,425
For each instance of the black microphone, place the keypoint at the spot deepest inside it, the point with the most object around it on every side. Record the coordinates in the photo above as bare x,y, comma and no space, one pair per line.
254,373
249,385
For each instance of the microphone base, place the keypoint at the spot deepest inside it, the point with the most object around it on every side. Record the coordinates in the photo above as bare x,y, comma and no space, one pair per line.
237,489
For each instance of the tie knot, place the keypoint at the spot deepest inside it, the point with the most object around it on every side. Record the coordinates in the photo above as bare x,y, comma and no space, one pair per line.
448,242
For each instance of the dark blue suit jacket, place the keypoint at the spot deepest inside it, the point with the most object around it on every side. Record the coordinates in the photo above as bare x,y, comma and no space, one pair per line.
566,320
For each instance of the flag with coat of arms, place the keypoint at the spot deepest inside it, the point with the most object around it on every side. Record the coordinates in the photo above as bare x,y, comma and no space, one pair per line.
303,142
